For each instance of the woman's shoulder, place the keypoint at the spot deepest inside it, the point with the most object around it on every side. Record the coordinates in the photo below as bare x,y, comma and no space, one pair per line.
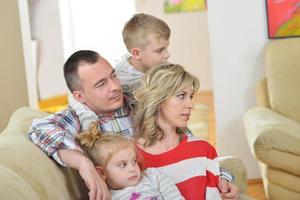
195,139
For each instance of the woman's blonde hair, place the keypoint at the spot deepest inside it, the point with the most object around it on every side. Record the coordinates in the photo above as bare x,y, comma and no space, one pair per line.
101,147
159,84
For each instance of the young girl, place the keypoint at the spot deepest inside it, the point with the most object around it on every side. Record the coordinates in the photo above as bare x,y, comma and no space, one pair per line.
116,161
164,108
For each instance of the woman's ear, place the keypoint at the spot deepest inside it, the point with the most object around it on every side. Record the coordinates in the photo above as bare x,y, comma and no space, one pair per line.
100,171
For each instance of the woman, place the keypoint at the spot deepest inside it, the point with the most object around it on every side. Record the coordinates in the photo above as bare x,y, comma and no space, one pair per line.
163,110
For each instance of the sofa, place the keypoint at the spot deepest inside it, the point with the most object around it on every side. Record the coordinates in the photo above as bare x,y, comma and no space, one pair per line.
27,173
273,126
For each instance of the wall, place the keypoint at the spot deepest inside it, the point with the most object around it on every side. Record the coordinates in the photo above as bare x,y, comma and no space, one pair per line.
100,28
64,26
47,31
238,33
189,44
12,77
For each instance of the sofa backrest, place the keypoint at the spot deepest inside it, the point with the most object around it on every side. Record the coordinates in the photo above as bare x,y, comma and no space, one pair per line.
26,171
282,60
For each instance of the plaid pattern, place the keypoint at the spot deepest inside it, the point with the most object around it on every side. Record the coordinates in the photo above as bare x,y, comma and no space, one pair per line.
58,131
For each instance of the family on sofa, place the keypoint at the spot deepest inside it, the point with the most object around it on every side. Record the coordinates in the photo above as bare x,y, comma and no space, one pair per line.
161,108
161,159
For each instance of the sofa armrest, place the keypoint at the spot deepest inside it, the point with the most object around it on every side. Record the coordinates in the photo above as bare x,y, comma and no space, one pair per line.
273,139
238,170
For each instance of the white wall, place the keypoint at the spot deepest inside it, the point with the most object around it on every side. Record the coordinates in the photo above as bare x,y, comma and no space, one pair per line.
64,26
13,85
238,33
189,43
46,29
98,24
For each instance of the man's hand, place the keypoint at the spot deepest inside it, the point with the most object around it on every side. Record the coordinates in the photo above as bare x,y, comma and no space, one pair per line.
96,185
229,191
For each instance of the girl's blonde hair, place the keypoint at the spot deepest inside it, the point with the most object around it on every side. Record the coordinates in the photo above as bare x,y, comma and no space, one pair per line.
101,147
159,84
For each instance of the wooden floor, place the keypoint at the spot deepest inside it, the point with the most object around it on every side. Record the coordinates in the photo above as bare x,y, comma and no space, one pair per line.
255,187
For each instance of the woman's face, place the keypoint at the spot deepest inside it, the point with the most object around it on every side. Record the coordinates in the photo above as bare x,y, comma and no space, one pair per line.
176,110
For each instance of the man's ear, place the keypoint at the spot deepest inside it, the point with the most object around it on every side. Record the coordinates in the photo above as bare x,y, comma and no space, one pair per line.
79,96
100,171
135,53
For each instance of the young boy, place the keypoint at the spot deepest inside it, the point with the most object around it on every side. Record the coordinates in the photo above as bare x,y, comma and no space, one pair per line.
147,39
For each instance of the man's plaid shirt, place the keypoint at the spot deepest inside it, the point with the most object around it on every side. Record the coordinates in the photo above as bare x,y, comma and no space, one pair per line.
58,131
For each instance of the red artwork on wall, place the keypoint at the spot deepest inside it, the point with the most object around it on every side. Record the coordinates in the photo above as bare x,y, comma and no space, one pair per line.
283,18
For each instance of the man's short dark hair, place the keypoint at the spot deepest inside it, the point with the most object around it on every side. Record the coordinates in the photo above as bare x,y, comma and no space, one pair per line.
72,64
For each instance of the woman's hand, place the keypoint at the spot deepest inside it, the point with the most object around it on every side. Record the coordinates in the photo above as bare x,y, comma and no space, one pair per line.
229,191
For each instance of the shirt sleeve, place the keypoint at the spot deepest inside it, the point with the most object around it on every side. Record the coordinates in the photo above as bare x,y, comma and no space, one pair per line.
166,187
55,132
227,175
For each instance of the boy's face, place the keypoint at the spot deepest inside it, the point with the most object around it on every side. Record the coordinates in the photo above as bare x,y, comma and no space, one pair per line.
122,169
101,91
154,53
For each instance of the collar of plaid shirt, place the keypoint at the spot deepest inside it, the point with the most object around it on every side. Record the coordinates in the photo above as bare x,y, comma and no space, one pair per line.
124,111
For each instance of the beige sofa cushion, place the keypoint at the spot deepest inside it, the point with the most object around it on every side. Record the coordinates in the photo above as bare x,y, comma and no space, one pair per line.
282,69
273,139
29,166
14,187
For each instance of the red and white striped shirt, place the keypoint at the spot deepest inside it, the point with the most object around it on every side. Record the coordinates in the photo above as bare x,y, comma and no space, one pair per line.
192,165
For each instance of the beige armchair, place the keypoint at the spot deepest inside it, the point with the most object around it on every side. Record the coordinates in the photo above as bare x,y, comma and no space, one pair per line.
273,128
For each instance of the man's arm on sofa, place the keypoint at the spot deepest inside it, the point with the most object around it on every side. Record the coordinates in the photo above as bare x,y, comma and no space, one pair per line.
75,159
56,131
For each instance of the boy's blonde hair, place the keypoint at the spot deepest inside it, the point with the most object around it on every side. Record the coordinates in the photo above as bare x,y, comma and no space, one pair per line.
159,84
101,147
140,26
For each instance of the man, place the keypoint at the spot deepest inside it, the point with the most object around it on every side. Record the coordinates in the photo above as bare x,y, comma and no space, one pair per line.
93,83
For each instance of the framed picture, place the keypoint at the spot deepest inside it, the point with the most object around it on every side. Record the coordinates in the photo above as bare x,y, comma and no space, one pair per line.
177,6
283,17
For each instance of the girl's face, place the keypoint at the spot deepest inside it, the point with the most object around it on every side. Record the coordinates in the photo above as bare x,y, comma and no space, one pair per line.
122,170
176,110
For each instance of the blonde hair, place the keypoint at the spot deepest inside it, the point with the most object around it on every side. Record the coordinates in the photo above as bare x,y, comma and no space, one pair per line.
159,84
140,26
101,147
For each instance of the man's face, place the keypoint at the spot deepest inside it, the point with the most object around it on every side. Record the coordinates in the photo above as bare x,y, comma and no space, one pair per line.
154,53
101,90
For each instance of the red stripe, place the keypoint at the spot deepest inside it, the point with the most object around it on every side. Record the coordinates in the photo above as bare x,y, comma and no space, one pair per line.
212,180
194,149
193,188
